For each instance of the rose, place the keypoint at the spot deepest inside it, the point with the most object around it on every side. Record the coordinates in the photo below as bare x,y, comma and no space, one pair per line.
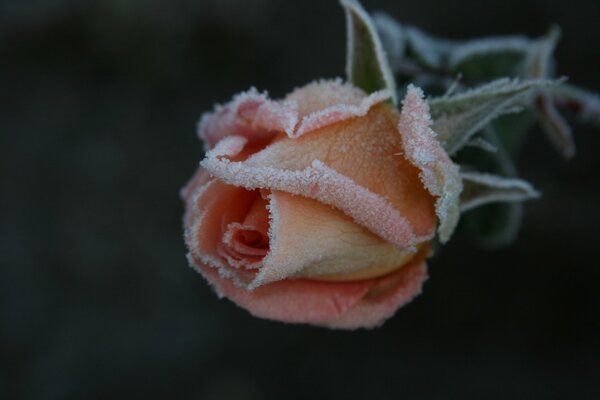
319,208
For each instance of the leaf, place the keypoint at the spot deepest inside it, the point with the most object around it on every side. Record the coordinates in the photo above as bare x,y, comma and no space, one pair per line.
482,188
557,129
458,117
367,65
584,104
431,51
392,36
554,125
491,58
494,224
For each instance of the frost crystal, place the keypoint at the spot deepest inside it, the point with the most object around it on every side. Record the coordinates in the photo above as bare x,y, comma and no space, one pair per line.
439,174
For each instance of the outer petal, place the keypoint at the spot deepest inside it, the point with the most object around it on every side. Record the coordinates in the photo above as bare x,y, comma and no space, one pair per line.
439,174
373,310
324,103
254,116
365,150
316,181
314,240
251,115
344,305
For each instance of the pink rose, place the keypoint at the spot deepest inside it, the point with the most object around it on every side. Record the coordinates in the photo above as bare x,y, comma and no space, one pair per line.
319,208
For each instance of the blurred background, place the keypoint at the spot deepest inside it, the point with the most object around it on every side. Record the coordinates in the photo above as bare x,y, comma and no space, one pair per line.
98,105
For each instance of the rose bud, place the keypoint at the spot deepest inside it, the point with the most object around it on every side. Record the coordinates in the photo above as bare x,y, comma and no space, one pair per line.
319,208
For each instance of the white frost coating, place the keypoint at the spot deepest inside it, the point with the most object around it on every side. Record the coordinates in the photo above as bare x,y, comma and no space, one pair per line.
317,182
250,114
339,112
488,188
392,37
490,45
588,102
254,116
431,50
438,173
354,7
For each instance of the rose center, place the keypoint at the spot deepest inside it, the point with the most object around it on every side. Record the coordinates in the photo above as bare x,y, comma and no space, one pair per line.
252,238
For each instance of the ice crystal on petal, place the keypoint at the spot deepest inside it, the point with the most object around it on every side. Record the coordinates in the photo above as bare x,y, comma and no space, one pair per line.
317,182
439,174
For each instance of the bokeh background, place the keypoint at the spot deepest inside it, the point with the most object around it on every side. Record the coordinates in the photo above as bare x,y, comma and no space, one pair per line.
98,105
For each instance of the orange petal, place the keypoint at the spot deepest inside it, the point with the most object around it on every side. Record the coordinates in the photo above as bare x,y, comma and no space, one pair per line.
311,239
342,305
322,183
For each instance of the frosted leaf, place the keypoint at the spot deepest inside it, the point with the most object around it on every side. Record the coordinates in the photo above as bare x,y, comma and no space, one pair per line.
495,224
318,182
393,38
367,65
432,51
540,63
496,55
421,147
556,128
482,144
458,117
585,104
481,188
554,125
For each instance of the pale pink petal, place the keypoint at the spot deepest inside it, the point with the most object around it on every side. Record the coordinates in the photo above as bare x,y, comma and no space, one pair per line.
365,150
290,300
324,103
438,173
310,239
256,117
251,115
200,178
317,182
213,207
342,305
371,312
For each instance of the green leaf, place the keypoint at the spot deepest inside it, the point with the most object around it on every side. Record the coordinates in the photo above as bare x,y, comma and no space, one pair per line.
483,188
494,224
367,65
491,58
458,117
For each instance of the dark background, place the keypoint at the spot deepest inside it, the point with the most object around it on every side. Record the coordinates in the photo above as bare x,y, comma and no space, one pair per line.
98,105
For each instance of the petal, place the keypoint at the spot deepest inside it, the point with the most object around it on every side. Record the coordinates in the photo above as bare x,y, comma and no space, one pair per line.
200,178
251,115
372,311
317,181
342,305
254,116
324,103
215,206
314,240
439,174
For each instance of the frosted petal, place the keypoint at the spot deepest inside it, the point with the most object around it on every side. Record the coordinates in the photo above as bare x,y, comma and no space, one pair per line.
254,116
339,249
372,312
339,112
319,182
250,114
438,173
338,305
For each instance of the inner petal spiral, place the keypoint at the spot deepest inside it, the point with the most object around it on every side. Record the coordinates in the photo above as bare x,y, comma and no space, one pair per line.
248,242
